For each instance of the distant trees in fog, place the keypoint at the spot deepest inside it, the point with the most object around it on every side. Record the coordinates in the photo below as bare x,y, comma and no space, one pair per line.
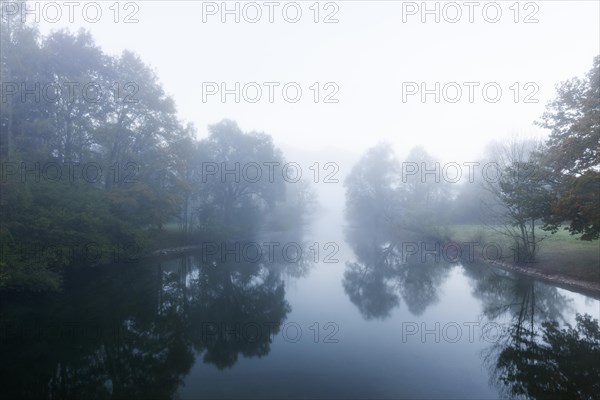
531,185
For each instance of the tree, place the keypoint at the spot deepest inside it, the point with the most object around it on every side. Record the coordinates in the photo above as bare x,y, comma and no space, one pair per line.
238,176
68,105
371,197
573,155
19,65
467,207
113,116
519,196
72,116
425,196
185,149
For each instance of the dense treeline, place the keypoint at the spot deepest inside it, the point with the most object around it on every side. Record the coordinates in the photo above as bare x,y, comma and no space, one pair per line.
95,162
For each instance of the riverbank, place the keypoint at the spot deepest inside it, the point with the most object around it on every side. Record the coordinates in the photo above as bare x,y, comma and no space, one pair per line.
172,251
587,288
562,259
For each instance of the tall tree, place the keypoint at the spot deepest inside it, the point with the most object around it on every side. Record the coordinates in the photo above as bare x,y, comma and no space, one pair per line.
74,76
573,154
425,192
371,196
519,196
238,175
64,100
20,67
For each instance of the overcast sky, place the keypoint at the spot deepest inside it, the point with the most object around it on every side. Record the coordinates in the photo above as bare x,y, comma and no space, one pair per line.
377,52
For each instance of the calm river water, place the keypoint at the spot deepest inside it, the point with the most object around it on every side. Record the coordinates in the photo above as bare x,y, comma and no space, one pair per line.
338,321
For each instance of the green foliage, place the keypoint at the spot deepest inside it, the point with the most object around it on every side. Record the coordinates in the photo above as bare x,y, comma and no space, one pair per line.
15,277
573,155
51,222
520,196
148,166
236,200
576,201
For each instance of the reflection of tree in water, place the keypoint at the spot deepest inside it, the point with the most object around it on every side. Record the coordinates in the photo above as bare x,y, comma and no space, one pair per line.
556,364
132,332
103,337
233,305
534,357
421,283
519,297
383,274
370,289
383,212
235,309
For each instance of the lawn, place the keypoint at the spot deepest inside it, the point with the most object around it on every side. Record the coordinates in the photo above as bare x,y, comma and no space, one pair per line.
561,253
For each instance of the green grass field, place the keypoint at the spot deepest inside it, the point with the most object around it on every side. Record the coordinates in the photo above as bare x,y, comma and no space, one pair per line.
561,253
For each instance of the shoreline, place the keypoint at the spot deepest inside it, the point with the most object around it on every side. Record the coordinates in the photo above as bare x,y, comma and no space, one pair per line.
586,288
170,251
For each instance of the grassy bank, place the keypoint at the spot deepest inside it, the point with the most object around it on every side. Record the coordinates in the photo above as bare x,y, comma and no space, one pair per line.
561,253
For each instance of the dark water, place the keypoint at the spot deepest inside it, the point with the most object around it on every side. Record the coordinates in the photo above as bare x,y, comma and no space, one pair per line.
332,323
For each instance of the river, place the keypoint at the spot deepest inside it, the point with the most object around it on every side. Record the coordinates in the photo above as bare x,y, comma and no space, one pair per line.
330,325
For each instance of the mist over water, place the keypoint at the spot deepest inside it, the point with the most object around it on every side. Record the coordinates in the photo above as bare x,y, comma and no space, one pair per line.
340,199
202,326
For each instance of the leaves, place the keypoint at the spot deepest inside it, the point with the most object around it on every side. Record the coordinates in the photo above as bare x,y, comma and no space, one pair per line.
573,155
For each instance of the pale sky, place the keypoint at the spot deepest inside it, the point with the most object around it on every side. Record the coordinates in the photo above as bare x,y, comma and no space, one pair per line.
371,56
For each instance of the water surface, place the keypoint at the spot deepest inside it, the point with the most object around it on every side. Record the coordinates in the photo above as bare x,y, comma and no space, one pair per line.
361,325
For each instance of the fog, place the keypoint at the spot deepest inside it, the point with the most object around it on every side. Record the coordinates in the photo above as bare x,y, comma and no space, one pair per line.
329,199
369,53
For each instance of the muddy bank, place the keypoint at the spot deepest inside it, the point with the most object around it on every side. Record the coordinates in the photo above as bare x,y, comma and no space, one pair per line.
587,288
